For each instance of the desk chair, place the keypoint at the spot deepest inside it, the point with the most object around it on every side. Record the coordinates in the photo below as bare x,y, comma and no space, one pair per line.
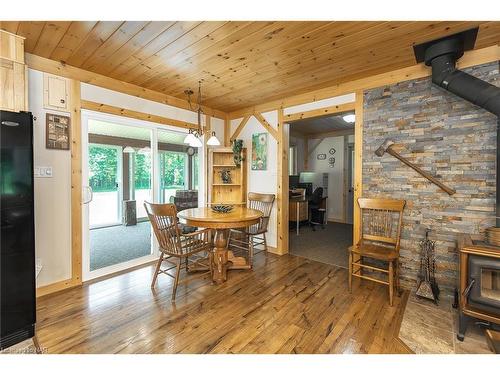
317,209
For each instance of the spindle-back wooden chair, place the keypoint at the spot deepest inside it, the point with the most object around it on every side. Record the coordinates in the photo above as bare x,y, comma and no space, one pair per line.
381,221
247,239
184,248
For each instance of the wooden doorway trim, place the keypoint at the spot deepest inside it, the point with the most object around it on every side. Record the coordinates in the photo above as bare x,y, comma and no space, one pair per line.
283,142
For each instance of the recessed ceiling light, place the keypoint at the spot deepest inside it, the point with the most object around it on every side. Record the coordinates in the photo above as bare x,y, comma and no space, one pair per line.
349,118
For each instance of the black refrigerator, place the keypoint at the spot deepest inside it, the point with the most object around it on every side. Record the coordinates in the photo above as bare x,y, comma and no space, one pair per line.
17,241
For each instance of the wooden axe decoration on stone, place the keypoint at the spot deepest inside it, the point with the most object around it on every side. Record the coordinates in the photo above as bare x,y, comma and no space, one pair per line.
387,147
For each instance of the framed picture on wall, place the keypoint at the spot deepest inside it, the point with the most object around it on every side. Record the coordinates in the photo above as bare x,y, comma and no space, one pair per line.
57,132
259,151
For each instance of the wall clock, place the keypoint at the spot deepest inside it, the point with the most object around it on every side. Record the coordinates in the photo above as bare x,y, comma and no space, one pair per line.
190,151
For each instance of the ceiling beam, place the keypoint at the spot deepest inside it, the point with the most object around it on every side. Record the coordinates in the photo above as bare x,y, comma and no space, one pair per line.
54,67
240,128
470,58
109,109
320,112
266,125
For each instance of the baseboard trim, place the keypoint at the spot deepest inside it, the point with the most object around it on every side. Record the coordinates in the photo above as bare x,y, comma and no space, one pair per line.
274,250
58,286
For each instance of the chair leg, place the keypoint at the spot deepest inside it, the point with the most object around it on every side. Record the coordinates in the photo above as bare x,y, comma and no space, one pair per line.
211,264
391,282
397,276
350,271
176,280
186,263
265,241
229,239
250,250
157,270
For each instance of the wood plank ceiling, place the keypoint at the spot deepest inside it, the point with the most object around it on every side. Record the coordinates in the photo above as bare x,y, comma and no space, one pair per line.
240,63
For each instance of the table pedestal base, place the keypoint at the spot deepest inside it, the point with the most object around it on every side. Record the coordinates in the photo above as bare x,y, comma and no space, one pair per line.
224,259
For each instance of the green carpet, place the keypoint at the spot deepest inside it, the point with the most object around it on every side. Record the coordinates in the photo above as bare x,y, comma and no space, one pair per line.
327,245
118,244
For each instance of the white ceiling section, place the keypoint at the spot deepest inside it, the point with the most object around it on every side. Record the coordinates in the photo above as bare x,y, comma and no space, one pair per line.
322,124
117,130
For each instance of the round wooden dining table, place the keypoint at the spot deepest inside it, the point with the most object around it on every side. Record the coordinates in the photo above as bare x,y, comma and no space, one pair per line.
238,217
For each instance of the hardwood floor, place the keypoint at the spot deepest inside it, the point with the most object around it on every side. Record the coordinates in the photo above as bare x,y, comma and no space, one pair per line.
286,305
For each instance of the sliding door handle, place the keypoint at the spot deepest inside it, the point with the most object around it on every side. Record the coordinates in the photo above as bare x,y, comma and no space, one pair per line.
90,195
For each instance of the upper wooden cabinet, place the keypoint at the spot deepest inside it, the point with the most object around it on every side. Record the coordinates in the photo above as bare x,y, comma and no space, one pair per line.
55,92
13,73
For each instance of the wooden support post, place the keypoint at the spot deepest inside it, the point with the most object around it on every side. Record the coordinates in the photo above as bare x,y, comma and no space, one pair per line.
282,196
76,182
358,170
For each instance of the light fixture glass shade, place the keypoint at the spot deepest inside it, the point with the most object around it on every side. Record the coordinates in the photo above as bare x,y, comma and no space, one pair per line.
213,141
144,150
128,150
196,142
349,118
189,138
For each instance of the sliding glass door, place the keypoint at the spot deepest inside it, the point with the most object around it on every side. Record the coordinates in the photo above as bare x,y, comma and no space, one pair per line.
125,163
118,172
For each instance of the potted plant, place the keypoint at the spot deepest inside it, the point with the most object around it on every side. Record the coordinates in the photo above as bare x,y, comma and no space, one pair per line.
237,148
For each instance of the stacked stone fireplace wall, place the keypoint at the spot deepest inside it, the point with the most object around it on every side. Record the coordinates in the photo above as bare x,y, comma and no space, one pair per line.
446,136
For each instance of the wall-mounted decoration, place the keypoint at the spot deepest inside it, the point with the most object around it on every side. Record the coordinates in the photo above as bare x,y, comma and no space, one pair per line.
321,157
332,151
57,132
259,151
331,161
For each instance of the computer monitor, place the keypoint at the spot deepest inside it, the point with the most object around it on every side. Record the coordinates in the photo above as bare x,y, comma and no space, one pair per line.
293,181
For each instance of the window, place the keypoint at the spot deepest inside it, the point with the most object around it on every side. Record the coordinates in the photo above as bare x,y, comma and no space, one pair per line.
173,174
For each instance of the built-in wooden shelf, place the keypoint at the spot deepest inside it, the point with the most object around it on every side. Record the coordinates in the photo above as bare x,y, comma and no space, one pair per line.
219,192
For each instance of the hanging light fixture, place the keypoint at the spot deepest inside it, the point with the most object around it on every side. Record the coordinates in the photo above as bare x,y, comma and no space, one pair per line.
194,135
213,141
128,150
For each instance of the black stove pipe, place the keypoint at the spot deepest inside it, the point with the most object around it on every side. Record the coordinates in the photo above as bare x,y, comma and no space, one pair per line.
442,56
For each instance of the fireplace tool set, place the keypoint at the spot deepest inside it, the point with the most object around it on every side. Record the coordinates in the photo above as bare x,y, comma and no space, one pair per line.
427,286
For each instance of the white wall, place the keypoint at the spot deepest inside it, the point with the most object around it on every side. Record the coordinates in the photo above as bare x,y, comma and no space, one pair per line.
52,195
335,174
262,181
299,145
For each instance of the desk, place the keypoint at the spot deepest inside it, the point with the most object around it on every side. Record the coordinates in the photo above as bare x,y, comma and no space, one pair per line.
298,210
239,217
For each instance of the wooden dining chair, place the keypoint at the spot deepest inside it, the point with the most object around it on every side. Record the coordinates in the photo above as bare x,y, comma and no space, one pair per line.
180,250
247,239
381,221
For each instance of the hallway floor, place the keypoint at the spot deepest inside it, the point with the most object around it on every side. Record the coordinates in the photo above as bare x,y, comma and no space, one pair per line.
327,245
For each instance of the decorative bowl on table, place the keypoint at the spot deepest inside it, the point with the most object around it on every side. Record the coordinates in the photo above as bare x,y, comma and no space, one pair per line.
222,208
